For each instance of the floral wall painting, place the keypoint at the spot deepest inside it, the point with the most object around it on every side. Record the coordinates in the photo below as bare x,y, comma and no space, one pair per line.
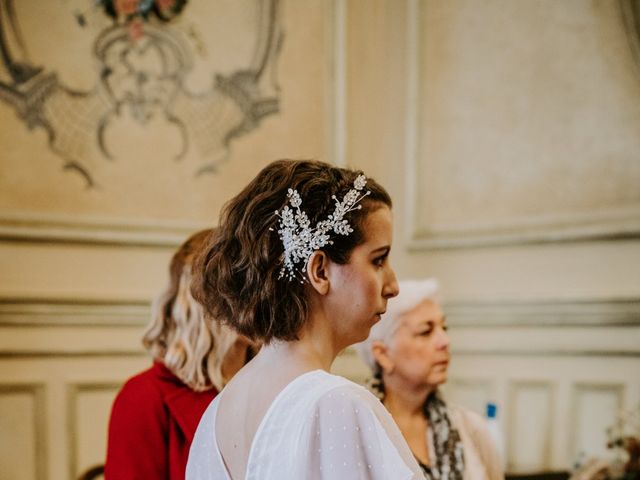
140,67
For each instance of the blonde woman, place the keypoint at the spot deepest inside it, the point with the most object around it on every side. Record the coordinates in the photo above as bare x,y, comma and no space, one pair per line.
156,413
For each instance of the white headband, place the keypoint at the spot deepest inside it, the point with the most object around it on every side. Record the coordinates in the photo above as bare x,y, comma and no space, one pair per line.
412,293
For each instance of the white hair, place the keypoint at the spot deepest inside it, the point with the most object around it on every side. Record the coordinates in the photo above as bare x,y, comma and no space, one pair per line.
412,293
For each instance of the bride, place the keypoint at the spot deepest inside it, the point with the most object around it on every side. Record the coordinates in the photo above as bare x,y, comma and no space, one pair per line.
301,264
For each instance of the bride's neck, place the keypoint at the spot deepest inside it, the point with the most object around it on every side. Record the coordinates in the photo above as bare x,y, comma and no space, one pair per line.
314,349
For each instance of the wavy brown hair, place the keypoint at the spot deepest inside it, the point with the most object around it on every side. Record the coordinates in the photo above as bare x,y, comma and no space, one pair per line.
236,275
179,335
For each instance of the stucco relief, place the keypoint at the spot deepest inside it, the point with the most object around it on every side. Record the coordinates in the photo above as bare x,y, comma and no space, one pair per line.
142,73
523,136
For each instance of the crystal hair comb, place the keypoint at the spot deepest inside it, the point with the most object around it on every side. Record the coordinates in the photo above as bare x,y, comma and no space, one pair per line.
300,240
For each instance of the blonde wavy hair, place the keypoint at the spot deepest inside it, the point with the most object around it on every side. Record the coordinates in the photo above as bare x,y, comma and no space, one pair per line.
179,335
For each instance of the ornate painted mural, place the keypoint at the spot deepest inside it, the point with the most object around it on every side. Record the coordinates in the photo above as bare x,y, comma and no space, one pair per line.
142,61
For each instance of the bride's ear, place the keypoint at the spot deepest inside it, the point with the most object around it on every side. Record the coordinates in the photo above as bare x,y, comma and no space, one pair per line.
317,272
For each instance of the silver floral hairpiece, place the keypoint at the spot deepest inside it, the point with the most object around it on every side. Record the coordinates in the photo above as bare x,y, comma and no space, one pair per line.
300,240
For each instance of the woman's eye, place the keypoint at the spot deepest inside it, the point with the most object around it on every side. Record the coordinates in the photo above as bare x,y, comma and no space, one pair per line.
445,327
380,261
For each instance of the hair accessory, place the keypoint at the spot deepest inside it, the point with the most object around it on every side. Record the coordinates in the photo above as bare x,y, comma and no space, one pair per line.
300,240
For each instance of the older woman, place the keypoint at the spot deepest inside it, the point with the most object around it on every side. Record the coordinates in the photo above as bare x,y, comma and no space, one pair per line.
155,414
408,352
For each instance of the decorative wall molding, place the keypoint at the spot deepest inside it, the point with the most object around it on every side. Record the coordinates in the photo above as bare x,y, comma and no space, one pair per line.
484,385
412,117
606,224
338,95
619,342
526,425
77,313
85,230
74,390
541,352
561,328
579,398
605,328
42,328
78,354
620,225
37,392
603,313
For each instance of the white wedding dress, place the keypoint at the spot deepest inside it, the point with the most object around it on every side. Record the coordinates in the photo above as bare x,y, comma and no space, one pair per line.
320,426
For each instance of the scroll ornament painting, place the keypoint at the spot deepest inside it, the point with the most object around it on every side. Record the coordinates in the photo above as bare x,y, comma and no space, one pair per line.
143,56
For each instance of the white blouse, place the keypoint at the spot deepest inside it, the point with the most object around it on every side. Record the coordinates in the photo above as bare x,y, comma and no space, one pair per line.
320,426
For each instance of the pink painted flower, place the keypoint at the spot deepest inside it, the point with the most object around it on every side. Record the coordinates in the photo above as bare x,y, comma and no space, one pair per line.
126,7
136,29
165,4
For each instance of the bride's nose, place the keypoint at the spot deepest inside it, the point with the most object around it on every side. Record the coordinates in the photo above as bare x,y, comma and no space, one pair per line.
391,287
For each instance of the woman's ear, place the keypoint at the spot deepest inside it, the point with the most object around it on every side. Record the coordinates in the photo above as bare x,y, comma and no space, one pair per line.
317,266
381,354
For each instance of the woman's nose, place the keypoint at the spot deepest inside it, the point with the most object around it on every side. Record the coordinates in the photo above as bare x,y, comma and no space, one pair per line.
443,339
391,287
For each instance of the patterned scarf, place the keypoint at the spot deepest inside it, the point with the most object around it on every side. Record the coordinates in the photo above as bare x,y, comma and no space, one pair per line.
449,454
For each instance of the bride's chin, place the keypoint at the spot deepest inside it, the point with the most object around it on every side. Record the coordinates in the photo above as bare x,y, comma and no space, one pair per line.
362,336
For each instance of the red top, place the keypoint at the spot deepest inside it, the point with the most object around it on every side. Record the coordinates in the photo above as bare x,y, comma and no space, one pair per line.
153,420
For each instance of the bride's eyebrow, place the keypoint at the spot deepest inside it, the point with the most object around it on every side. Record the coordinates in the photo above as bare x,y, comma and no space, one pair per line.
383,249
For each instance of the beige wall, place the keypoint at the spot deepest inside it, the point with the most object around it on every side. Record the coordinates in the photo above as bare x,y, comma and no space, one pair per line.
506,133
80,263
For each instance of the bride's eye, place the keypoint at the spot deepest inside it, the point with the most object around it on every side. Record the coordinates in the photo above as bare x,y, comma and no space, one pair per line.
379,261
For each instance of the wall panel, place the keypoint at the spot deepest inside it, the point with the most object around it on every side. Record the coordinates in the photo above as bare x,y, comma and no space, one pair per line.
595,407
22,436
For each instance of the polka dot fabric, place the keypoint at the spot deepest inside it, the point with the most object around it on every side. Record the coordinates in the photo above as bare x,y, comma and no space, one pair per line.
319,427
